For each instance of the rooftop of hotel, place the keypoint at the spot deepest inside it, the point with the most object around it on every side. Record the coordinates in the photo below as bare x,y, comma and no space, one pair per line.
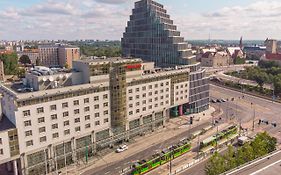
95,60
6,124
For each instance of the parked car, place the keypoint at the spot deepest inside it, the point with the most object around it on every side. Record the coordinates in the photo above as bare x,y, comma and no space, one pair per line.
121,148
223,100
213,101
218,100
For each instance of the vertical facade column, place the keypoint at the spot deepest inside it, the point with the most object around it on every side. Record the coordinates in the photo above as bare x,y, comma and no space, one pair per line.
180,110
153,121
51,158
73,146
15,167
22,163
93,140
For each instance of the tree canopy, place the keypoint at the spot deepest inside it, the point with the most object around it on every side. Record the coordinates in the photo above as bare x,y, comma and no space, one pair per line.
24,59
10,62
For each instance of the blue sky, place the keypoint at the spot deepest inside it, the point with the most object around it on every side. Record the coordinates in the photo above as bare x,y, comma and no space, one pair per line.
106,19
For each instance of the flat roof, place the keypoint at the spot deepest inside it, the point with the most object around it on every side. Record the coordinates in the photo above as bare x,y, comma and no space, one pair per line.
112,59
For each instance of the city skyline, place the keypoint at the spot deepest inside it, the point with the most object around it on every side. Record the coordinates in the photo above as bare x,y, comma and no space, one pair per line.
105,19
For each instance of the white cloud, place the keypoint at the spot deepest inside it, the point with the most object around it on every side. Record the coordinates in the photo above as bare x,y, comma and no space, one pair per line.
106,19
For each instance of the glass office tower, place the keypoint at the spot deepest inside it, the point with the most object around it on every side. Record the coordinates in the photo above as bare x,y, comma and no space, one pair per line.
151,35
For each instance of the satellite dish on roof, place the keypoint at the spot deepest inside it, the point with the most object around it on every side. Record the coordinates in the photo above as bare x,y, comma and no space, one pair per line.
44,79
51,78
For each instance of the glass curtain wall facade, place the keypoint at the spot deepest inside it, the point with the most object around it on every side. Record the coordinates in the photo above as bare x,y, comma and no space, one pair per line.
151,35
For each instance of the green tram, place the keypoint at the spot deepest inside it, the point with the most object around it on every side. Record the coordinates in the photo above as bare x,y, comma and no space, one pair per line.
161,158
224,134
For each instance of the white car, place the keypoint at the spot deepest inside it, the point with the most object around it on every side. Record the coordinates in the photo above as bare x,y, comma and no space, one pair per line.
122,148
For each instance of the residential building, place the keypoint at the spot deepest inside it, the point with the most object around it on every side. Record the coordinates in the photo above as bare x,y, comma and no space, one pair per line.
272,53
215,59
151,35
48,55
58,55
254,52
33,54
67,54
56,116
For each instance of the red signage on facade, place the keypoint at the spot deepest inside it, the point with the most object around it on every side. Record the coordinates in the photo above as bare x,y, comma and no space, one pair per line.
134,66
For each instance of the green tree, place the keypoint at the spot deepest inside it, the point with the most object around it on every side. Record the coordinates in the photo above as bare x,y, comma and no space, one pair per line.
24,59
248,152
216,165
261,78
10,62
230,158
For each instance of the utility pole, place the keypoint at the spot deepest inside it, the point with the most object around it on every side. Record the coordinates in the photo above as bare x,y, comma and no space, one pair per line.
217,138
198,144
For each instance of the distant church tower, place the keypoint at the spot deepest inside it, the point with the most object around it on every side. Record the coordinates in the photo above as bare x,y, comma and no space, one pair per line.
241,43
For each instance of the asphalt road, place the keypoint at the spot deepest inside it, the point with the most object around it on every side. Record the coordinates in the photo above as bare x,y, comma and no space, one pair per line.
241,109
114,168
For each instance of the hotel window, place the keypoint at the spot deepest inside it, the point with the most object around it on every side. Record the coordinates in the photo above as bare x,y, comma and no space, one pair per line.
66,123
43,139
182,86
96,98
137,97
150,100
162,103
55,126
144,109
55,135
162,84
138,111
130,98
138,103
186,85
54,117
167,102
167,83
29,143
1,152
143,95
26,113
1,141
177,99
131,113
156,105
156,98
105,96
130,105
167,89
88,125
177,93
97,123
105,104
76,111
42,129
66,132
161,91
150,93
87,109
106,120
137,89
53,107
177,87
64,105
144,88
40,110
97,106
86,100
156,92
150,107
144,102
87,117
28,133
130,91
76,102
65,114
27,123
77,120
41,120
167,96
77,129
97,115
105,112
162,97
156,85
150,86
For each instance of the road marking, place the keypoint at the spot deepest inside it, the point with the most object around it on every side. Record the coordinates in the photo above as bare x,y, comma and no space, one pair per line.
265,167
253,163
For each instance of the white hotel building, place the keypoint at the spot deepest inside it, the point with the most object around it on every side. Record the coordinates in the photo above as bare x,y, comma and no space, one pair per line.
57,117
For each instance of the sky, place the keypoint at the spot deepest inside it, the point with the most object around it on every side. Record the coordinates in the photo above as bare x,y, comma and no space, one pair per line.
107,19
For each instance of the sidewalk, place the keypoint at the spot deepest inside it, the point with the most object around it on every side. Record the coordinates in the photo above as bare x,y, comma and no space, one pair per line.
173,128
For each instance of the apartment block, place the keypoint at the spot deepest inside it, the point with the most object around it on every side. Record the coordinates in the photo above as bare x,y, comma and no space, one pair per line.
58,55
